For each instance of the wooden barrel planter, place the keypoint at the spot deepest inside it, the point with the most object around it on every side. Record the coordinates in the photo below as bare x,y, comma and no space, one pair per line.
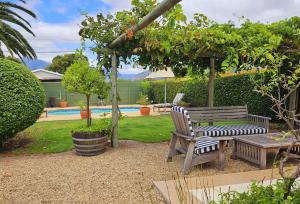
90,143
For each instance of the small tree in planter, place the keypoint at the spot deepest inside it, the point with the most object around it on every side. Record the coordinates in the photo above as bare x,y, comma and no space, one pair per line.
81,78
144,101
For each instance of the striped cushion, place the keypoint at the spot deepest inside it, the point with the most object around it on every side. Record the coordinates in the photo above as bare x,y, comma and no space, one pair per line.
231,130
204,145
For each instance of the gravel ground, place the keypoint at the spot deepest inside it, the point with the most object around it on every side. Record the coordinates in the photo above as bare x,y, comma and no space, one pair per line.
122,175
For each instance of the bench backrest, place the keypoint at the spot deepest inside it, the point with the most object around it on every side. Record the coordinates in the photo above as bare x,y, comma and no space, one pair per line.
178,98
182,122
215,114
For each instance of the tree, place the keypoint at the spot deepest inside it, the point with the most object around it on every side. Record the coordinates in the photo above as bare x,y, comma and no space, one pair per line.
10,37
81,78
60,63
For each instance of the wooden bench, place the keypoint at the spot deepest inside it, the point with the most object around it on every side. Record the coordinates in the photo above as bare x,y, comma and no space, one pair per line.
251,124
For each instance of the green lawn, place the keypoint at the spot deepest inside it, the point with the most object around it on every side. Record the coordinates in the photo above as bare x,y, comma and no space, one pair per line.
55,136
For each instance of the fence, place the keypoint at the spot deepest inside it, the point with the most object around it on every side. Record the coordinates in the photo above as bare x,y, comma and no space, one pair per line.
128,91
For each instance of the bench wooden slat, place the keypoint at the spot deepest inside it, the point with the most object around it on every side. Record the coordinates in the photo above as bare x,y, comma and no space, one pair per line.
216,114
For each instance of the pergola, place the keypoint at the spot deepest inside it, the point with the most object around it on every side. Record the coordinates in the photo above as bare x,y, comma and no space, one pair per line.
144,22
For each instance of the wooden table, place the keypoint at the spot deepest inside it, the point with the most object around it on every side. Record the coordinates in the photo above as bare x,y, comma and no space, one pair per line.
254,148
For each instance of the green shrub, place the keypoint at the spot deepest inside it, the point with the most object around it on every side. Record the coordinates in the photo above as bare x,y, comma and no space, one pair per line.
229,91
22,98
98,125
260,194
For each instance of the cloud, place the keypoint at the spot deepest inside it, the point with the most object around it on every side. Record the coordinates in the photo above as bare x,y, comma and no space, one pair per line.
118,5
256,10
49,37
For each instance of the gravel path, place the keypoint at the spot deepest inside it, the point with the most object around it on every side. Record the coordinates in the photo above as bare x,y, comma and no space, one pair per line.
122,175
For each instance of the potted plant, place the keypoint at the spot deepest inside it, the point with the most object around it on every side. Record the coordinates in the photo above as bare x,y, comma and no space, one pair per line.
83,111
80,77
144,102
62,103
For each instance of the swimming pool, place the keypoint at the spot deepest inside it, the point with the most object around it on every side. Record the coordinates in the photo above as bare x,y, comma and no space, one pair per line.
94,110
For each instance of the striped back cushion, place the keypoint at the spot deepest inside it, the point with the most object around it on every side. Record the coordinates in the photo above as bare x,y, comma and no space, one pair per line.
182,121
178,98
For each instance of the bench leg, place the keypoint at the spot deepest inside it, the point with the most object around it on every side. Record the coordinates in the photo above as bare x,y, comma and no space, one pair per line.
222,155
189,158
263,158
172,150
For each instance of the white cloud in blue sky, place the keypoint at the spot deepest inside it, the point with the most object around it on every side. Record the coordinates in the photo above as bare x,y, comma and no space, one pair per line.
58,21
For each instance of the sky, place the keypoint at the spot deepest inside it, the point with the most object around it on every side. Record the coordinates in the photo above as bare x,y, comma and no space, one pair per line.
57,25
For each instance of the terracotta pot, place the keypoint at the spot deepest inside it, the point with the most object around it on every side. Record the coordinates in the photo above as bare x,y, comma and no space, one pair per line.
145,110
63,104
84,114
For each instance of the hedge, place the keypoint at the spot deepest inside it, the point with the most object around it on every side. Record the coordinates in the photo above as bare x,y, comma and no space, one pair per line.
22,98
229,91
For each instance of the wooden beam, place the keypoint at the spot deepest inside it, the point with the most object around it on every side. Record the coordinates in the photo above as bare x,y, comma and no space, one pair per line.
115,115
149,18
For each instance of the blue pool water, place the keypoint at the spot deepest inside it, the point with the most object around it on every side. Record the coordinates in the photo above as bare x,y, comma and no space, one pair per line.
94,110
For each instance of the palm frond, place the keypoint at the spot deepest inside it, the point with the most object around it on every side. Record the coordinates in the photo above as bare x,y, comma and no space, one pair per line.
16,6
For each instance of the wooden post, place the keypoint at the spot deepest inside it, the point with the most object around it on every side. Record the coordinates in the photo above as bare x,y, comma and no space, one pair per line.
115,116
211,82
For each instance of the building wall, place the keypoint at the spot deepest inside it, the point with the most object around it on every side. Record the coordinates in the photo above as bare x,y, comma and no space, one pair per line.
129,92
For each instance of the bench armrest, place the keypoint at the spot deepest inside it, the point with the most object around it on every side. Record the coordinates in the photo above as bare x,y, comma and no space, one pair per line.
260,121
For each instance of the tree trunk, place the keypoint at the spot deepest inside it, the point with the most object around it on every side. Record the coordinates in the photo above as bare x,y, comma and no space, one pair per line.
211,82
115,117
292,106
88,120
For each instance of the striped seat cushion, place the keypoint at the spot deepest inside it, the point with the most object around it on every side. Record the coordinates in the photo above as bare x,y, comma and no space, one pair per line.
204,145
231,130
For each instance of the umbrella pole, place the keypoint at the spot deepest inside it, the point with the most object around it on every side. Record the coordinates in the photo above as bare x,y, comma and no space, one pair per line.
165,94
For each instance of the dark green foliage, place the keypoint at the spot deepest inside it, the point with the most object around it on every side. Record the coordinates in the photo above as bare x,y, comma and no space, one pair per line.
239,90
229,91
22,98
259,194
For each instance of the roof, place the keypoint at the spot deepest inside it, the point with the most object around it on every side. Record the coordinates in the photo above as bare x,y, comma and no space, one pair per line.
161,74
42,74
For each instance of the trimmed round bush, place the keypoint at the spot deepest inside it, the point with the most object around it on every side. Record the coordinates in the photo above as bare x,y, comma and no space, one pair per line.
22,98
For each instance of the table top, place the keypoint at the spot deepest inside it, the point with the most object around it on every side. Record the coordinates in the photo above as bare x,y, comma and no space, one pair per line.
270,140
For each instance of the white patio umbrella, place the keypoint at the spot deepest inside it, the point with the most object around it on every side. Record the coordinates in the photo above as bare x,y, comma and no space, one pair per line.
162,74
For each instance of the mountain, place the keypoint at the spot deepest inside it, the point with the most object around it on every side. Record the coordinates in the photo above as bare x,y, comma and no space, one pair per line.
35,64
133,76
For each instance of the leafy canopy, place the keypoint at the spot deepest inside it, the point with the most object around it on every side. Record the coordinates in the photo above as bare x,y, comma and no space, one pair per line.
60,63
187,46
81,78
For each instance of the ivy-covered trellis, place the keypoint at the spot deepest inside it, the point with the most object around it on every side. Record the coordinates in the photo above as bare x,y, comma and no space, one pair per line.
198,45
